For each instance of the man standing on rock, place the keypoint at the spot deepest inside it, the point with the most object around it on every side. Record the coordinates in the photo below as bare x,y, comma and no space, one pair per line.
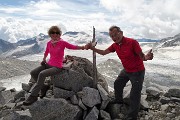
132,57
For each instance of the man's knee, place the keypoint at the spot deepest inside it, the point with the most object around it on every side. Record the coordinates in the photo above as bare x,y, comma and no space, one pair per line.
120,83
137,86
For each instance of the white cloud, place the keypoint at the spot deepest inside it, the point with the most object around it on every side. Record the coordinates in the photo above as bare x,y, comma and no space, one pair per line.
44,8
11,10
137,18
160,18
13,30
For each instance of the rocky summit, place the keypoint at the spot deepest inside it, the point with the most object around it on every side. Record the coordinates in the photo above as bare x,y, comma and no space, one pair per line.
72,96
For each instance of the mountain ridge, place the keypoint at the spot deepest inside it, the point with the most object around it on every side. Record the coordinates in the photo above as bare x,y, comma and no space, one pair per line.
37,44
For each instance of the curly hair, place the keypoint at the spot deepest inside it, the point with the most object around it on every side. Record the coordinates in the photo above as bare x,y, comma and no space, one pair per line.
54,28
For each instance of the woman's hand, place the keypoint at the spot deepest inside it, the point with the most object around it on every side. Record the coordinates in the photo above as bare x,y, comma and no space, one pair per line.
90,45
44,61
87,46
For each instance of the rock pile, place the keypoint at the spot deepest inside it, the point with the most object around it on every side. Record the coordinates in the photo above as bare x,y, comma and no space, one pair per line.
71,96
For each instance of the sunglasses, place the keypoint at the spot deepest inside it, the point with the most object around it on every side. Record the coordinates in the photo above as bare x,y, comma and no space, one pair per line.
55,33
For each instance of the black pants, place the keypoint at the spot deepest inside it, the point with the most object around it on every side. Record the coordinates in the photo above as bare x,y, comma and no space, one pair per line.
136,79
39,74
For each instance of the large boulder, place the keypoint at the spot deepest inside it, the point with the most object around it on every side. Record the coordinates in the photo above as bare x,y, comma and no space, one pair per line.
54,109
78,76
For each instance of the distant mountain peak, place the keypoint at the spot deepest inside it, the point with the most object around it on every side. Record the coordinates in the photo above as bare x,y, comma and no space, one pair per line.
74,33
71,33
169,41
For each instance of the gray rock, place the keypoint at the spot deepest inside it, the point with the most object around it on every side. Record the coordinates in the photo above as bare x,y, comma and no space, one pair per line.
105,115
143,102
82,105
22,115
19,94
153,92
76,79
49,93
103,93
10,105
2,89
54,109
61,93
164,107
74,99
174,92
90,97
5,112
93,114
104,104
16,115
174,99
88,68
6,96
164,100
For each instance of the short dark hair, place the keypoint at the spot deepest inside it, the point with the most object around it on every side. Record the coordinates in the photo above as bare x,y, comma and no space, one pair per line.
54,28
114,26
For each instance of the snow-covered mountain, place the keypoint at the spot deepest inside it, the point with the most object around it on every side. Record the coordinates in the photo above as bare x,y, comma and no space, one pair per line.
6,46
146,40
169,42
24,47
37,44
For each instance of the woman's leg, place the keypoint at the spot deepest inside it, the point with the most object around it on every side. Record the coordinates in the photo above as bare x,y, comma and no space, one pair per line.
35,72
34,75
49,71
41,78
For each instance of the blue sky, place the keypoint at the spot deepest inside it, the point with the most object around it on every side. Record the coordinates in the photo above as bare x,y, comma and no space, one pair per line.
153,19
12,2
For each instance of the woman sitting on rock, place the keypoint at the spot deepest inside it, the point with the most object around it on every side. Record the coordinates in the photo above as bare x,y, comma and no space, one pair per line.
55,47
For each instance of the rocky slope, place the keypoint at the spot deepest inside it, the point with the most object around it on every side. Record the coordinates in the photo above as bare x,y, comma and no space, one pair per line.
13,67
77,100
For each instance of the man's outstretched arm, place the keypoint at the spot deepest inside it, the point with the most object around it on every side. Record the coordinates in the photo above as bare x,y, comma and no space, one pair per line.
99,51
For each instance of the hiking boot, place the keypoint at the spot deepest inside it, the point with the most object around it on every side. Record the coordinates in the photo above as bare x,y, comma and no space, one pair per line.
30,100
43,91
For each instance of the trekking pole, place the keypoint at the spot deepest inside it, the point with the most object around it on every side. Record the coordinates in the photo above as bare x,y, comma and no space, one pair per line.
94,62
